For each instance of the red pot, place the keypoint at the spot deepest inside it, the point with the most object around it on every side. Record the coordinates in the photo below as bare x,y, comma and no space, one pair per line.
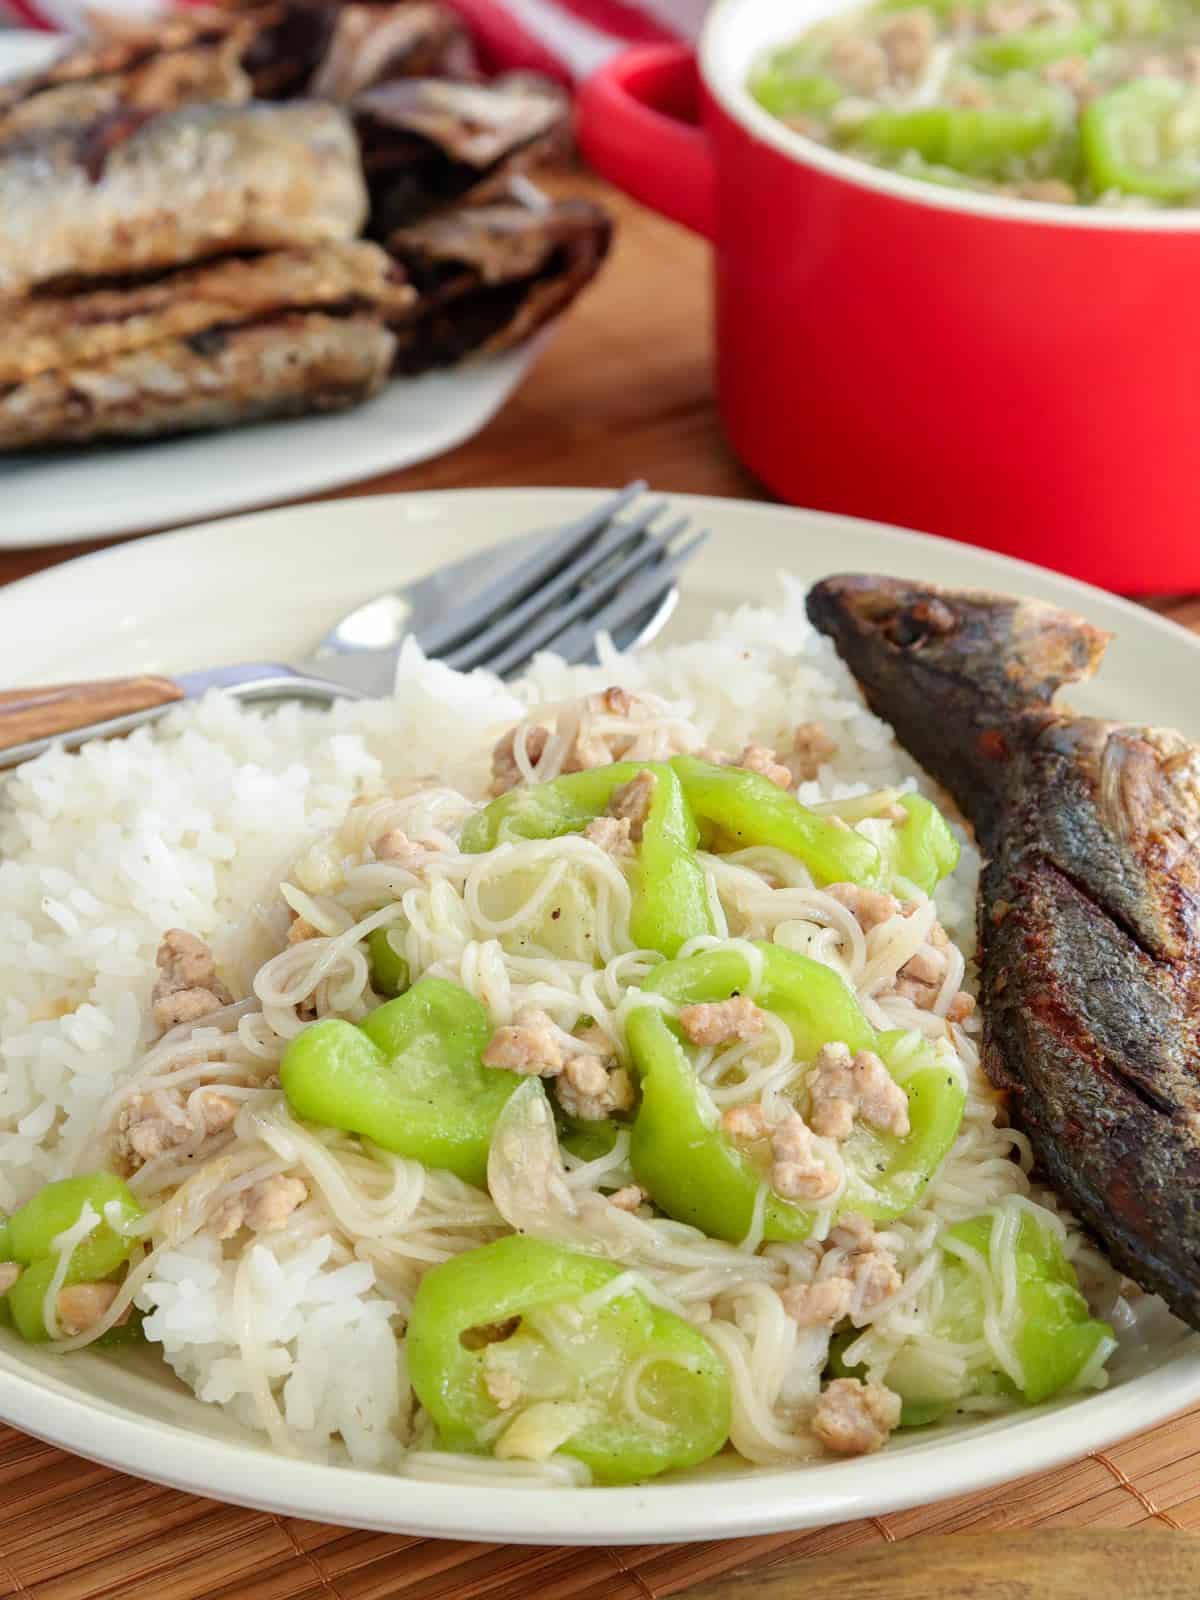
1021,376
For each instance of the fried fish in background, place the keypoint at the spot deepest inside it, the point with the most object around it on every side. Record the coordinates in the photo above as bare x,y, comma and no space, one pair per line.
290,38
184,60
134,195
487,276
231,341
334,51
428,143
374,44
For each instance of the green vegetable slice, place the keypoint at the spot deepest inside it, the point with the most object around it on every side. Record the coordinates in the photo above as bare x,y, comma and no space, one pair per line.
625,1387
1026,49
670,898
1144,139
696,1174
980,141
410,1078
31,1232
1048,1325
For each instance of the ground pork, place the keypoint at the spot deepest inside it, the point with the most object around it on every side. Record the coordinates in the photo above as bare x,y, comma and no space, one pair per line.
719,1021
754,758
528,1044
611,834
860,65
589,1089
757,758
1013,16
812,748
907,40
629,1198
844,1087
506,774
632,801
745,1124
187,986
599,750
396,847
263,1208
854,1418
1075,73
81,1305
856,1275
868,907
920,979
149,1125
797,1171
818,1305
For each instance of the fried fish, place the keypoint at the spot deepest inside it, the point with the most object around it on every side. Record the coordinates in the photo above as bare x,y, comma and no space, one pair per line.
1089,909
177,61
374,44
428,143
487,276
139,192
231,341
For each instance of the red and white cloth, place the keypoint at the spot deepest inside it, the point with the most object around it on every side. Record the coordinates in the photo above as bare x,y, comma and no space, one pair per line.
566,38
570,38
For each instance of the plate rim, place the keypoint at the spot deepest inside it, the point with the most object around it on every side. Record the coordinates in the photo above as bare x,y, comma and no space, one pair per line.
323,473
765,1501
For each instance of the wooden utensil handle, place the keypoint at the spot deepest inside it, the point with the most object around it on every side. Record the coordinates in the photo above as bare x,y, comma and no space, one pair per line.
1051,1564
40,713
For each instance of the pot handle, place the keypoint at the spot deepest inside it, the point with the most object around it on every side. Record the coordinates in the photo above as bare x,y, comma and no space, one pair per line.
637,122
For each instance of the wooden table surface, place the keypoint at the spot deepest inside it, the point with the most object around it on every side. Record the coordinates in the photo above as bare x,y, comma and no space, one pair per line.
624,391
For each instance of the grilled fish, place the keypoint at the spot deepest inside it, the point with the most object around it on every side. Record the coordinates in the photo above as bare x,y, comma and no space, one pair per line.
374,44
140,193
203,347
160,66
488,276
1089,908
428,143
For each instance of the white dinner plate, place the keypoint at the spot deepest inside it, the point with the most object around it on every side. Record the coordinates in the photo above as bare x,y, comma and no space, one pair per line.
88,492
268,586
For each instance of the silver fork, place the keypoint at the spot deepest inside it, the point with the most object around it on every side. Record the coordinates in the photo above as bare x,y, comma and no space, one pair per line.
555,589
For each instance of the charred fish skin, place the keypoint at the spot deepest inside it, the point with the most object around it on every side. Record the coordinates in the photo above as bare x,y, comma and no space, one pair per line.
953,674
149,192
1089,909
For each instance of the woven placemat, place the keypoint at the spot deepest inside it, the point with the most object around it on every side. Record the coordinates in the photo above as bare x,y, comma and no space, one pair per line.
70,1530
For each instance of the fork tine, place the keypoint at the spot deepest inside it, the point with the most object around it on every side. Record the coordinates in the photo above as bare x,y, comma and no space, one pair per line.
576,642
651,556
527,575
585,599
477,650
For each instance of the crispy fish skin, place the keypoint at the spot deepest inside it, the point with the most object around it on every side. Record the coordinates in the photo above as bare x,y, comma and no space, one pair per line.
488,276
204,75
284,366
1089,908
120,45
202,181
48,333
428,143
373,44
